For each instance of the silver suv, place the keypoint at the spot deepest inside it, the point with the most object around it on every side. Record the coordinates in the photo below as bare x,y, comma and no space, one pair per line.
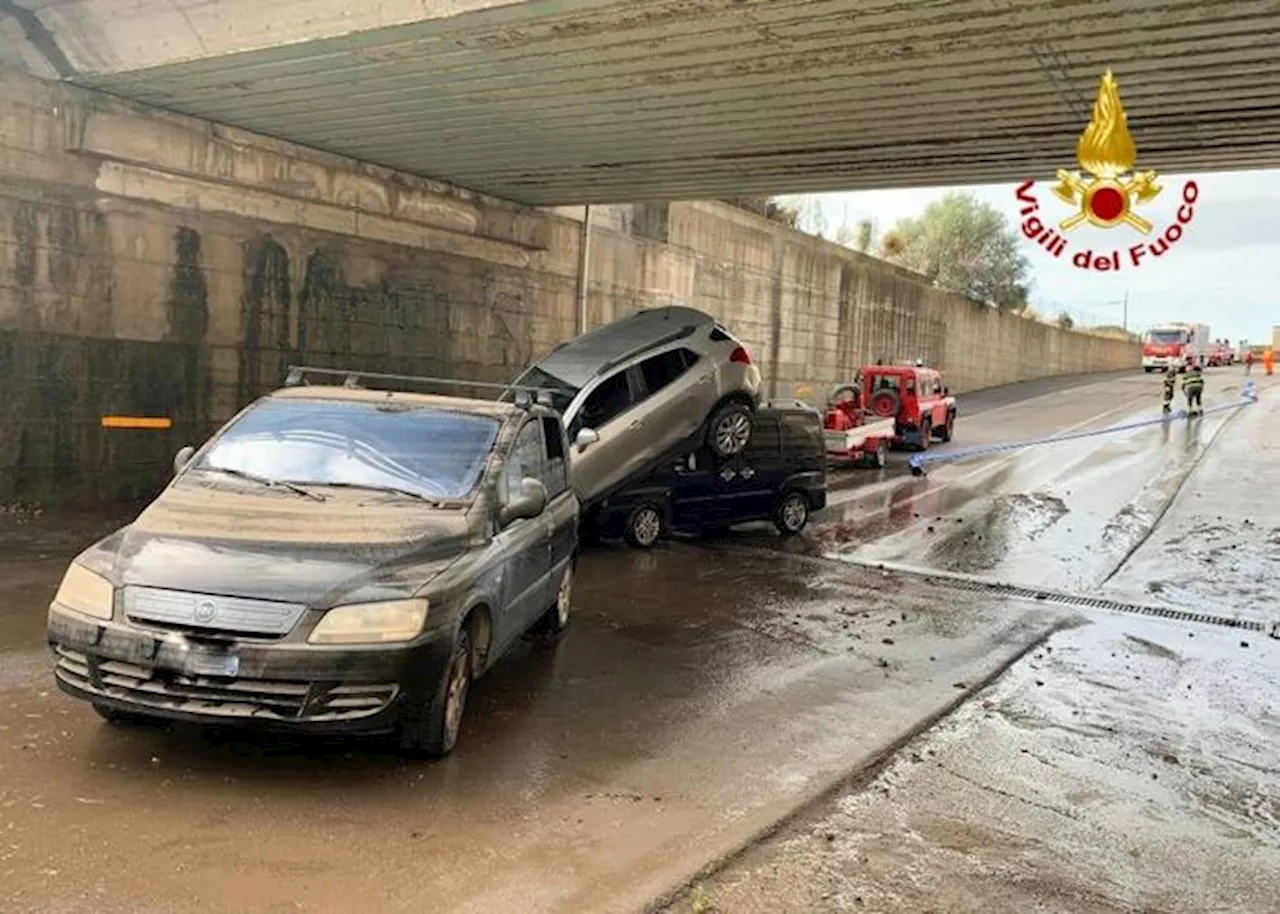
633,389
335,560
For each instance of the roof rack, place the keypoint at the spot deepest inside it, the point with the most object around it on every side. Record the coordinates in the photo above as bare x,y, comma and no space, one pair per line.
351,378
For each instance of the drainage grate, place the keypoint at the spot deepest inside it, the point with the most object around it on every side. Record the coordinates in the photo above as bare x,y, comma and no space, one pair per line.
982,585
1069,599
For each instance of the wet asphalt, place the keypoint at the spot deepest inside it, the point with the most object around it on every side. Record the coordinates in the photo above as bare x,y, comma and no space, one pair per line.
705,690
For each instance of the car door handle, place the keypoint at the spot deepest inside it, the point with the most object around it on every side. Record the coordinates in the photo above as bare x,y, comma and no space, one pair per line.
636,423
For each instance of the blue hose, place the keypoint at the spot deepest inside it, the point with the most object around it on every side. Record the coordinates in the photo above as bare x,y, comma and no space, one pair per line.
1248,395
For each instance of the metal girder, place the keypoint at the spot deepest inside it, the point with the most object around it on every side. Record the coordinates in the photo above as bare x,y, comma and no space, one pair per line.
569,102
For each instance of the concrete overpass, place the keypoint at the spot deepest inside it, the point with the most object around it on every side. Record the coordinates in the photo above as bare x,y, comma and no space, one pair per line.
566,101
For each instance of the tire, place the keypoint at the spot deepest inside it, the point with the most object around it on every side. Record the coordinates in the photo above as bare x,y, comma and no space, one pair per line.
850,389
644,526
926,433
432,731
1148,369
556,619
117,718
948,430
885,403
792,513
729,429
881,457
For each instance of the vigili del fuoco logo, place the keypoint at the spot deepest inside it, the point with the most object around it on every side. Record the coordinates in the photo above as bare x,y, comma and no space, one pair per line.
1106,193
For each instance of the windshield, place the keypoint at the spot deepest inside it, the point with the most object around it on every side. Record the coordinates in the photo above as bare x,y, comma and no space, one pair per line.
562,392
424,451
1166,337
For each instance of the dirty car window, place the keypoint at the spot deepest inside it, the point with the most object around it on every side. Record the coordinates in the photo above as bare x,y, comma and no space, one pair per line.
429,451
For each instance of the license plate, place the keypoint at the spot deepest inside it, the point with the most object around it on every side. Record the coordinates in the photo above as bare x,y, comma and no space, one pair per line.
204,662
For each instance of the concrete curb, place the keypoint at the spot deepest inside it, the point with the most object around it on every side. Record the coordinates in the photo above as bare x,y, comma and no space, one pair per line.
855,777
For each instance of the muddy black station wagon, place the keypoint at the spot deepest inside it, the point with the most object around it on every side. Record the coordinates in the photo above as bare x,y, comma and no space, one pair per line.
338,558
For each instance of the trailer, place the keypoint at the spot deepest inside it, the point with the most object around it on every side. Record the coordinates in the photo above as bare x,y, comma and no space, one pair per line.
860,445
850,437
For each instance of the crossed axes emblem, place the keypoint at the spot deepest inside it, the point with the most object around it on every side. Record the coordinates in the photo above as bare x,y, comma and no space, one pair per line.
1141,187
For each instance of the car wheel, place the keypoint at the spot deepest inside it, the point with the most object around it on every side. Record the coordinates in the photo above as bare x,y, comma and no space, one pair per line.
556,619
926,433
119,718
881,457
729,429
949,429
644,526
792,513
432,731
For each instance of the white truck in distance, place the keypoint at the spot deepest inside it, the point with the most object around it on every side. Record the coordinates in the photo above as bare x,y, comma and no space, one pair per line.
1175,347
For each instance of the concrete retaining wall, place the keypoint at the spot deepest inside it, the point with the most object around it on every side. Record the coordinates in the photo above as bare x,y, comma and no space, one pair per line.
156,265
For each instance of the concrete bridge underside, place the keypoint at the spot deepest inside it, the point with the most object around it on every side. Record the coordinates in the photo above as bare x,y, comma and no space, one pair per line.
549,102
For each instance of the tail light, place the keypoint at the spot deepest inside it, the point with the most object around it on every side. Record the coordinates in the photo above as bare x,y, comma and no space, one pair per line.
741,355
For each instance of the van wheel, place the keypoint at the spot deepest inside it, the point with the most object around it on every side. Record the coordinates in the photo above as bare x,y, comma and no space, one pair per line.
432,731
556,619
729,429
644,526
948,429
791,514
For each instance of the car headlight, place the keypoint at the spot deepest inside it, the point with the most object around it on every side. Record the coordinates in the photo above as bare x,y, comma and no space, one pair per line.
371,623
85,592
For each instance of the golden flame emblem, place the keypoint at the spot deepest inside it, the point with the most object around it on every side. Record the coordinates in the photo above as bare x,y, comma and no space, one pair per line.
1106,153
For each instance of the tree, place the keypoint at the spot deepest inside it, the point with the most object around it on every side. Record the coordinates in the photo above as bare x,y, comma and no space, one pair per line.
893,246
864,235
1066,321
844,235
964,246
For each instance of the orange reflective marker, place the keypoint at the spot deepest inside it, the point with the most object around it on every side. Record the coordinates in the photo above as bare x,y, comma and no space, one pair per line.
136,422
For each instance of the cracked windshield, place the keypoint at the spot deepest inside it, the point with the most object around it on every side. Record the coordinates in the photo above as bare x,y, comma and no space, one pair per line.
639,457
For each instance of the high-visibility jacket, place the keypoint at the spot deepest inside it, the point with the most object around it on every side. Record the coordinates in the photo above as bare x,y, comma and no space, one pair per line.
1193,382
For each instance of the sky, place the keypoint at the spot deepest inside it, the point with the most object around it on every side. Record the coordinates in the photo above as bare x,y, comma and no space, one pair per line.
1224,271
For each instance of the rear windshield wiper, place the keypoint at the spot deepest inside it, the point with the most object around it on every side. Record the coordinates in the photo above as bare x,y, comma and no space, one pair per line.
268,481
390,490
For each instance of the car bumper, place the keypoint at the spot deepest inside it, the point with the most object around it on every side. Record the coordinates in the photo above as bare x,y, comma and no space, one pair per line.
277,686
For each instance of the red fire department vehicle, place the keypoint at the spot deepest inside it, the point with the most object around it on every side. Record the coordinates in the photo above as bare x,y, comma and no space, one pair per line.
888,406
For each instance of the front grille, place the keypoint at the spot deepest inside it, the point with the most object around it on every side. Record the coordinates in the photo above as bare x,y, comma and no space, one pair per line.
206,612
221,697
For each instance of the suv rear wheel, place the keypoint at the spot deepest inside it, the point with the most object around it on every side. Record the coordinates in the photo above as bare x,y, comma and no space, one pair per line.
729,429
644,525
792,513
926,432
945,433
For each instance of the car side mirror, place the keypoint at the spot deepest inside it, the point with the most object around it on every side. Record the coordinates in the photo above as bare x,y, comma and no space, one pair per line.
531,502
585,438
182,458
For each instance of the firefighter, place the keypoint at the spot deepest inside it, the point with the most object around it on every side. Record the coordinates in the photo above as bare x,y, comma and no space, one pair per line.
1248,361
1269,360
1192,389
1170,387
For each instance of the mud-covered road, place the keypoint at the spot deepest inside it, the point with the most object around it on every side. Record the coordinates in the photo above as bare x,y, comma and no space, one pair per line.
705,692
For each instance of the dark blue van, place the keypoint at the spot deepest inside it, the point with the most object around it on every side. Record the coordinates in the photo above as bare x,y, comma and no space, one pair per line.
780,476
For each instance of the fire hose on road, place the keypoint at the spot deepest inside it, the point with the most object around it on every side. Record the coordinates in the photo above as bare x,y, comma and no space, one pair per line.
1248,395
